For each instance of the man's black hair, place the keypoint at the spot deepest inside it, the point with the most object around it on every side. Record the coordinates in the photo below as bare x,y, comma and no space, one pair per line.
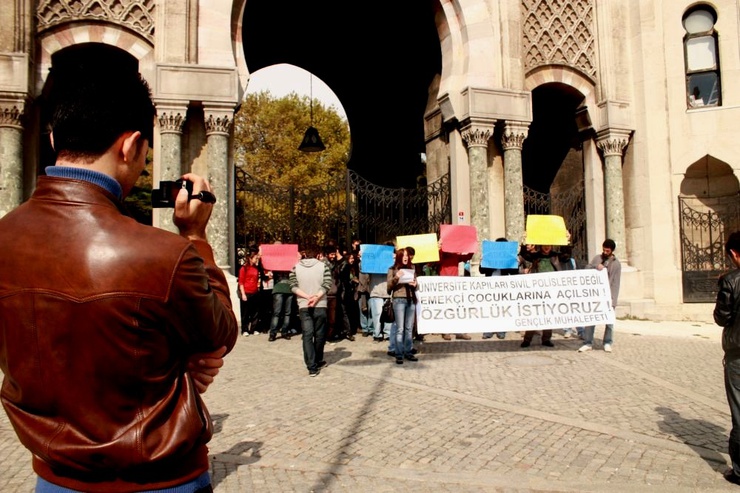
733,243
92,104
608,243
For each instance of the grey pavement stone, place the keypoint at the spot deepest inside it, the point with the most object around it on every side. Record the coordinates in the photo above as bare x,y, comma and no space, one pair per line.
469,416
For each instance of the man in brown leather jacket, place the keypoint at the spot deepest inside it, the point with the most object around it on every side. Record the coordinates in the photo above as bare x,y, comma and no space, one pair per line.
104,320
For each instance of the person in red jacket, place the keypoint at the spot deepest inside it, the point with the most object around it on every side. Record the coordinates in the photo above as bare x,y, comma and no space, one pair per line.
106,345
249,281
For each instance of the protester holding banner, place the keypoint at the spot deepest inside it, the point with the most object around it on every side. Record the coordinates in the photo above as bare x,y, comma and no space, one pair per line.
402,288
607,260
546,260
489,271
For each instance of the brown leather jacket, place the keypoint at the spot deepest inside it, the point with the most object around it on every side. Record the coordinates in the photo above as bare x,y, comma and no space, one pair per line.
98,315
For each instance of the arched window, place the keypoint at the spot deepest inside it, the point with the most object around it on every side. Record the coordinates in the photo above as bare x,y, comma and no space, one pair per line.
701,55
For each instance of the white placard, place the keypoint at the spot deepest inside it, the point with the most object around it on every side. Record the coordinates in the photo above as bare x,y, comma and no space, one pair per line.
407,275
550,300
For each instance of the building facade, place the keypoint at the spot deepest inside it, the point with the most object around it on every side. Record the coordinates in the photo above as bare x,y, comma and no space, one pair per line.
648,92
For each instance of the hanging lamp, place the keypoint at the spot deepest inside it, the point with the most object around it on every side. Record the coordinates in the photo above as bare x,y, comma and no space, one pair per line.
311,140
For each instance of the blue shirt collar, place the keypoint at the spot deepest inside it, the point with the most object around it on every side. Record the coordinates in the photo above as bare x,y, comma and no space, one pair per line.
100,179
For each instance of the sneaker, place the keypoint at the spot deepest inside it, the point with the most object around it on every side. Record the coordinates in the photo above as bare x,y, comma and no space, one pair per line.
447,337
245,334
411,357
524,344
487,335
271,338
399,360
608,348
286,336
313,373
566,335
584,348
391,353
351,338
464,337
320,364
548,343
414,350
501,335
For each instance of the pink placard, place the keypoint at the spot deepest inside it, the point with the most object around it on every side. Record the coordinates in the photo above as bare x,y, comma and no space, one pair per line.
458,238
280,257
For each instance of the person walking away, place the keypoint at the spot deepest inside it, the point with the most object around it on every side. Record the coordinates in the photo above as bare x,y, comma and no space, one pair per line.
310,280
725,313
102,397
607,260
403,293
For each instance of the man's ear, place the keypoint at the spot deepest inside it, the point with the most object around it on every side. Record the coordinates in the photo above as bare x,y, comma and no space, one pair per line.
130,146
51,140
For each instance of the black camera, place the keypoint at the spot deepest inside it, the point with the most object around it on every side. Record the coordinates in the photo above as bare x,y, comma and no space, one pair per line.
167,193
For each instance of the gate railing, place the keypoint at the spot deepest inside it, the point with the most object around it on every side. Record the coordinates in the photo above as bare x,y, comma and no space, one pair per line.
571,206
344,207
705,225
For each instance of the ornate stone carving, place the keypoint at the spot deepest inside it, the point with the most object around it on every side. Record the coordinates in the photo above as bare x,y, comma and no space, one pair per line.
559,32
11,117
171,123
218,125
137,15
514,135
476,136
612,146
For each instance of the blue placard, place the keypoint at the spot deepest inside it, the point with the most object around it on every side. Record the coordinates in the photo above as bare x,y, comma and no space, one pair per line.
500,254
376,259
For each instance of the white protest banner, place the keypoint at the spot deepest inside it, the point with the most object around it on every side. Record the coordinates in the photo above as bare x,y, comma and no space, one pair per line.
549,300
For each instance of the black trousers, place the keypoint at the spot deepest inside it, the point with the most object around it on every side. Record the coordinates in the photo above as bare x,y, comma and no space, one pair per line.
732,388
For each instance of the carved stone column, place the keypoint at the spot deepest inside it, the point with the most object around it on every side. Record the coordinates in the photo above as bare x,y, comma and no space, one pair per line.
612,144
11,156
218,129
476,139
171,122
512,142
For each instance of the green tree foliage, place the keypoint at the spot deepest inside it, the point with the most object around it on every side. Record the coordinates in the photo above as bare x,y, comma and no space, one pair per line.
291,195
268,131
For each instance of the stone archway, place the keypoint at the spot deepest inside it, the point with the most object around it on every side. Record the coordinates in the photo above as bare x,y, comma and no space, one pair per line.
709,208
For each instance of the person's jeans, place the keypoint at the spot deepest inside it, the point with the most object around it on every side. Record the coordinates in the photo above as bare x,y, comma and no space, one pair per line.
732,388
588,334
405,311
366,320
376,306
282,304
313,325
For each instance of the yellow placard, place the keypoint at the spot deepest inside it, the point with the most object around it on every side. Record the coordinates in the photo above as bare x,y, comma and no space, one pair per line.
543,229
425,246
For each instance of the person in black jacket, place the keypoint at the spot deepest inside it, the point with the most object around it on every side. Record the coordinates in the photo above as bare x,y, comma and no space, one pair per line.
725,310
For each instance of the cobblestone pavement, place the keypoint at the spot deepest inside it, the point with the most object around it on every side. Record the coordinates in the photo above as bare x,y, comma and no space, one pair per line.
469,416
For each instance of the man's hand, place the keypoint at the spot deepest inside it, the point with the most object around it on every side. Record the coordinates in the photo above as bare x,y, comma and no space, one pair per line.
204,367
191,216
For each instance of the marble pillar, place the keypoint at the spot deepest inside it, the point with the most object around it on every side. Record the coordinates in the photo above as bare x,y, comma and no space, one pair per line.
476,140
11,157
218,130
171,122
512,142
612,145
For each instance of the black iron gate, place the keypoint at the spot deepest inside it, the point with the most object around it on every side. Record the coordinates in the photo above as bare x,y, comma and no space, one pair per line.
571,206
705,225
342,208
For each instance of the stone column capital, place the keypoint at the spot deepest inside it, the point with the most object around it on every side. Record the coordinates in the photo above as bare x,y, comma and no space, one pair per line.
612,142
476,135
171,120
514,135
11,114
218,120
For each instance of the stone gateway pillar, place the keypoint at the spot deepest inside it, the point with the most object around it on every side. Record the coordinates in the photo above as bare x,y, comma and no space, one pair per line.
11,157
171,122
476,139
218,128
512,142
612,145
